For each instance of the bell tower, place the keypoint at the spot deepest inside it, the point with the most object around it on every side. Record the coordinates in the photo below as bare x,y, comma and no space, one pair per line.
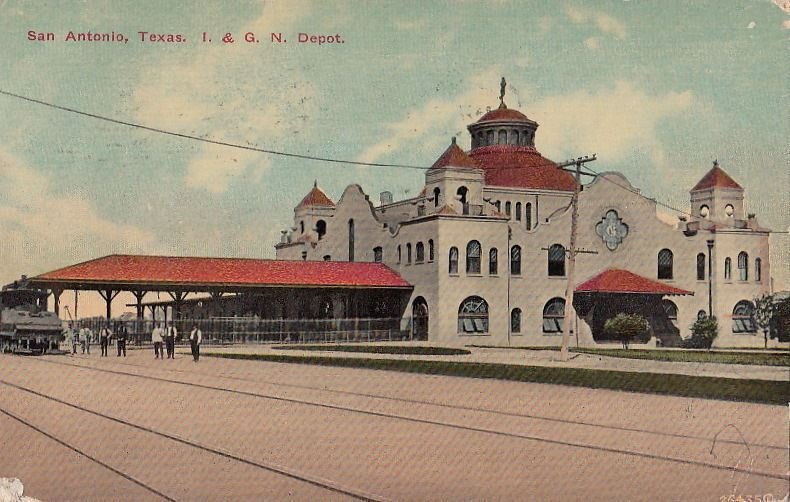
717,197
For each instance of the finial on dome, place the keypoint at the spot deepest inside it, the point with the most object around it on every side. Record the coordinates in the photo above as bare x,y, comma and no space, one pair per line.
502,86
453,140
716,163
315,183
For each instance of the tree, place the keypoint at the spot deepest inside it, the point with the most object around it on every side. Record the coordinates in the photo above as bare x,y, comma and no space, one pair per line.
625,327
703,332
765,308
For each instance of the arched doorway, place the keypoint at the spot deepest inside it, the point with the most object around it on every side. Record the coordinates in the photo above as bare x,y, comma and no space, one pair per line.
419,314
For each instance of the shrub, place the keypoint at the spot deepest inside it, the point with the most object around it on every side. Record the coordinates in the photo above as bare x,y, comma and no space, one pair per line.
703,332
625,327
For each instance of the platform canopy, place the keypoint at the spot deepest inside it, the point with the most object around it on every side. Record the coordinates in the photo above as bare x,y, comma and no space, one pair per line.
619,281
169,273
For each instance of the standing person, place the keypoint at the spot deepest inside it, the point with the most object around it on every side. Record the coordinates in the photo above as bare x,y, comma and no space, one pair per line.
156,337
86,343
75,340
88,339
104,339
68,335
120,339
195,337
170,341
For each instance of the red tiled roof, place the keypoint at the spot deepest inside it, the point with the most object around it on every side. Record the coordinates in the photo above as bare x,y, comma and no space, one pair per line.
716,177
142,269
503,114
316,197
615,280
520,167
454,157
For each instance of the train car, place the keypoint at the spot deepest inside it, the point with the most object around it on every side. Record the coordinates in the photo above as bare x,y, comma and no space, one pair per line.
26,327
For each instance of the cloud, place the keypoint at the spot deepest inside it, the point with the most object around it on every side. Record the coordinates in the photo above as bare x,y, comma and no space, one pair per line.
751,25
784,5
786,24
604,22
41,228
614,122
593,43
220,95
439,118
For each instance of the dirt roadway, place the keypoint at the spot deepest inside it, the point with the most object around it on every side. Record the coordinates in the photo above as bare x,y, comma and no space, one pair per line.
351,433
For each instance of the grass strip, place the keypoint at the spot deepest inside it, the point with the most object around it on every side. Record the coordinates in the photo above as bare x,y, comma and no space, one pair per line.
688,355
381,349
728,389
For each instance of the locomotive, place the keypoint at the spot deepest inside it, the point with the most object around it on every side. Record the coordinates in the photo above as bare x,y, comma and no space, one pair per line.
26,327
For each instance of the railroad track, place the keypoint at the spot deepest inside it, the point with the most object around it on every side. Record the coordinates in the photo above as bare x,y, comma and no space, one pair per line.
458,407
451,425
270,467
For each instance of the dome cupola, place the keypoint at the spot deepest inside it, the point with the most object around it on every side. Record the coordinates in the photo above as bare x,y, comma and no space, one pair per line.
503,126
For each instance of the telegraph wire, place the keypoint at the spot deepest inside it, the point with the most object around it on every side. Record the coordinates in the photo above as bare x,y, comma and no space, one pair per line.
303,156
206,140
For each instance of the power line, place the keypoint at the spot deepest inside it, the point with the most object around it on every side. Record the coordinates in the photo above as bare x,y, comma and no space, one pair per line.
302,156
206,140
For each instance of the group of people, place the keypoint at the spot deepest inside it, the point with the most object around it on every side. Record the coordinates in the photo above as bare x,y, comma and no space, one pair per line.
159,335
168,335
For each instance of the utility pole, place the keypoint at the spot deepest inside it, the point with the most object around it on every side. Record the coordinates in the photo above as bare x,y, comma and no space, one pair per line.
572,251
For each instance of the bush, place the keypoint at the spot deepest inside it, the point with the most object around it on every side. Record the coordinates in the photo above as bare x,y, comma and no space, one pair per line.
625,327
703,332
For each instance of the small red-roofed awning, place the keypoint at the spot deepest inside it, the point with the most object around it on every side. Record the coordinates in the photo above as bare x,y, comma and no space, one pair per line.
196,274
619,281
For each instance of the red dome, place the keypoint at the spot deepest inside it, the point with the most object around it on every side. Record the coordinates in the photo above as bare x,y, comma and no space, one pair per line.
503,114
520,167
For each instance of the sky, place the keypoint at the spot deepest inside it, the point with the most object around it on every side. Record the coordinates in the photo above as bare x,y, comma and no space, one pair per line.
658,90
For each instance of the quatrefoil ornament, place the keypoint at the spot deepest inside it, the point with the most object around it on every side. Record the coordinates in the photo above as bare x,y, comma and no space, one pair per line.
612,230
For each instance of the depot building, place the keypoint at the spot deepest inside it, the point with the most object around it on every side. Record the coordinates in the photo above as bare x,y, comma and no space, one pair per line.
485,246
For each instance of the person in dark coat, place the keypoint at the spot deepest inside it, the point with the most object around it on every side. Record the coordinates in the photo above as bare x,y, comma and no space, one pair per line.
195,338
170,341
122,336
104,339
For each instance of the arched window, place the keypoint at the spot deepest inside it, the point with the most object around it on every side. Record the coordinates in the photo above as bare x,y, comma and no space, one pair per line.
671,311
743,317
515,321
436,193
320,228
327,257
420,250
408,253
462,192
727,269
399,253
507,209
557,260
498,205
473,315
502,139
528,215
553,315
378,254
301,226
430,250
351,240
665,264
704,211
514,137
701,267
473,257
515,260
490,138
743,266
518,211
701,315
453,260
493,261
758,269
